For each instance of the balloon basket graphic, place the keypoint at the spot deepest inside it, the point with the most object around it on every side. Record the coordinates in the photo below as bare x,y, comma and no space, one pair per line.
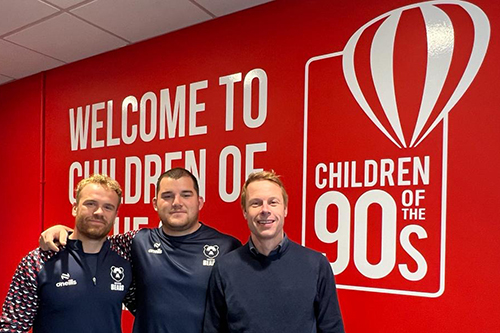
374,160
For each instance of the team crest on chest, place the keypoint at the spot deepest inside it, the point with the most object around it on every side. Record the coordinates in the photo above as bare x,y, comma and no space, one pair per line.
211,252
117,274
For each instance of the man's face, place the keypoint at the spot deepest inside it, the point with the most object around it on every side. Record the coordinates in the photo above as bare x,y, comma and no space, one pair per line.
265,211
95,211
178,206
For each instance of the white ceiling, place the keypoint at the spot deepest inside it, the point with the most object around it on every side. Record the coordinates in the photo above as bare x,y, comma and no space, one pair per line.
37,35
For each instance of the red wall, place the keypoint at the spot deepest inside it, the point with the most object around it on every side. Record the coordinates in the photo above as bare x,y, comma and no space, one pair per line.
21,182
274,43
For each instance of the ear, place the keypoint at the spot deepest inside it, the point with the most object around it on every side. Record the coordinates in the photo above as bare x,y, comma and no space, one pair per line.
201,202
73,211
155,204
286,211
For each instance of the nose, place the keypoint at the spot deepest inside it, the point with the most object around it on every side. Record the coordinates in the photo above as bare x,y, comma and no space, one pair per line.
177,201
99,211
265,209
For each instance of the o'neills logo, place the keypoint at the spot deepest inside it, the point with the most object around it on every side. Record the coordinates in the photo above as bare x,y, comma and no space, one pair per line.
67,281
156,249
376,145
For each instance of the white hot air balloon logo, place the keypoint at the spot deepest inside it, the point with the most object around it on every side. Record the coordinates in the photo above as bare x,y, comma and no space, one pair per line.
440,47
388,113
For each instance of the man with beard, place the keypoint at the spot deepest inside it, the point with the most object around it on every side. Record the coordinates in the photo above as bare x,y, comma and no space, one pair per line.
171,264
81,287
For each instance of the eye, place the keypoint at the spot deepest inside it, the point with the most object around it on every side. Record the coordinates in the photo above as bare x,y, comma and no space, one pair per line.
255,203
167,196
187,194
109,208
274,202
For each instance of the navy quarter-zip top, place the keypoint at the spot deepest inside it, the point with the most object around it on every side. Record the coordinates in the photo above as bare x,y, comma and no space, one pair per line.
67,291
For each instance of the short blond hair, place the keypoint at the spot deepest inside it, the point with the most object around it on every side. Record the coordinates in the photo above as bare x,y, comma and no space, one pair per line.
103,180
262,175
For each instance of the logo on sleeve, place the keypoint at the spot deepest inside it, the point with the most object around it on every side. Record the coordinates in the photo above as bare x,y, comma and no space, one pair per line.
117,274
211,252
66,281
156,249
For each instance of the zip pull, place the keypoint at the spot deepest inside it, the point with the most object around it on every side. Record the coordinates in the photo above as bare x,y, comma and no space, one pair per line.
94,280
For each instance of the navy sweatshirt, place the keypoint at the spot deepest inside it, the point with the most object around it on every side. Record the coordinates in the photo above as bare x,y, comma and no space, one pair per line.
172,276
291,290
67,291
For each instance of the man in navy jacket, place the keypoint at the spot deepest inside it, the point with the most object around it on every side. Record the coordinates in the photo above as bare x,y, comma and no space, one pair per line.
81,287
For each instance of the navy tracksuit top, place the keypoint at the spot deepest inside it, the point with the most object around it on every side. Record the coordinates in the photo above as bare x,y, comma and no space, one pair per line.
68,291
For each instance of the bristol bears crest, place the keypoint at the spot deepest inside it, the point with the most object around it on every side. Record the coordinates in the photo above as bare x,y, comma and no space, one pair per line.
211,252
117,273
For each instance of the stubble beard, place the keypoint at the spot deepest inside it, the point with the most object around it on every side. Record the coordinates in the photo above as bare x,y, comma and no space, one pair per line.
94,233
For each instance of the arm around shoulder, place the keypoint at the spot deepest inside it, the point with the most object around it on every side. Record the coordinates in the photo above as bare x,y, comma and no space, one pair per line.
54,236
122,243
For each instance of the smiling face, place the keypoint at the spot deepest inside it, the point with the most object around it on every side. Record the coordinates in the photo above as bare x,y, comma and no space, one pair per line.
95,212
178,206
265,212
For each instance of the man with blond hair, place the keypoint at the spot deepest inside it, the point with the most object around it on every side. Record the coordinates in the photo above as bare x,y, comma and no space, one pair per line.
80,288
172,263
271,284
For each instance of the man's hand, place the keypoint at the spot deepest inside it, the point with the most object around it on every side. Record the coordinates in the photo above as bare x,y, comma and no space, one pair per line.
54,236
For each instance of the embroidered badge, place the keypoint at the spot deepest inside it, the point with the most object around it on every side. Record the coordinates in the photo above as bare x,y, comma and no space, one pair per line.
211,252
66,281
117,274
156,249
